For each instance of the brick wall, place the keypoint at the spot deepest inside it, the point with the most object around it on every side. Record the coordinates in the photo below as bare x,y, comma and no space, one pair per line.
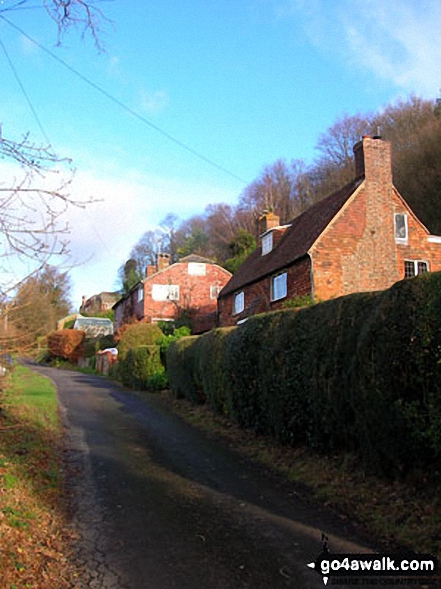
357,251
257,296
195,297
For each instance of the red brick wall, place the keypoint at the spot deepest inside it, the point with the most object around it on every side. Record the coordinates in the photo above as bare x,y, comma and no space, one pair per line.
358,251
194,295
258,295
418,246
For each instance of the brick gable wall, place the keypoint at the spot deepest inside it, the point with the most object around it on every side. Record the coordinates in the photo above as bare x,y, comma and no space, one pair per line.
356,251
194,295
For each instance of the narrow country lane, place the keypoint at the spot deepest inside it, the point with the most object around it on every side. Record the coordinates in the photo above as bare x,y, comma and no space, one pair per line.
161,506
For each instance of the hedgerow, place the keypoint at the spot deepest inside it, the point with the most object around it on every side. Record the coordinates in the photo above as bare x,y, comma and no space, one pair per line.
358,373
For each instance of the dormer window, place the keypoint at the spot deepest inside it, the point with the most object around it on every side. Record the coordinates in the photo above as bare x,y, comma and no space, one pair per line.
267,243
401,228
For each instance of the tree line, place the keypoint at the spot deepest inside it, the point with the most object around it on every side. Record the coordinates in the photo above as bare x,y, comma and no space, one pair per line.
227,233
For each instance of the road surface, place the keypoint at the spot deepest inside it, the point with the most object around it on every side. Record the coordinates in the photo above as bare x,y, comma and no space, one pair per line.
160,505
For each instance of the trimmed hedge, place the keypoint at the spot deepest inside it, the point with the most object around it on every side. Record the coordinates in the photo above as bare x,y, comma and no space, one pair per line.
139,334
360,373
140,367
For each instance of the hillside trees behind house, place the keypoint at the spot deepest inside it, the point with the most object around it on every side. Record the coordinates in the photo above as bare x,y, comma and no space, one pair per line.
227,233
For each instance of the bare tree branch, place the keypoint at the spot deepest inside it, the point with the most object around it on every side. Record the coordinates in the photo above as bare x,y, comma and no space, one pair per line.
33,203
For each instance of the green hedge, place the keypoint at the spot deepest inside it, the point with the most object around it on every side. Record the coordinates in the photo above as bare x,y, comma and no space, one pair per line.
360,373
139,334
141,368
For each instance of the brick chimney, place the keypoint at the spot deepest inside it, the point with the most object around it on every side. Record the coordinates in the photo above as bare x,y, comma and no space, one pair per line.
150,270
163,261
373,159
268,221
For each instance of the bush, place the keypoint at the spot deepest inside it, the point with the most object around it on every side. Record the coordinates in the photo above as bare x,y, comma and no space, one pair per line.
181,369
139,366
360,373
139,334
66,344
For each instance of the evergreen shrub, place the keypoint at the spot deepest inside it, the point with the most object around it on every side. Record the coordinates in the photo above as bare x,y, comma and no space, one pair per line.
138,334
360,373
139,366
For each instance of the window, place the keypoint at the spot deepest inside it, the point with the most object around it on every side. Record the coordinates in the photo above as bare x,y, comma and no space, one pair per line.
140,294
267,243
279,287
401,229
196,269
214,291
165,292
415,267
239,303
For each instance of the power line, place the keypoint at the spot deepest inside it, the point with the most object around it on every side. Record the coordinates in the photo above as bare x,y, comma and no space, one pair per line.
123,106
25,94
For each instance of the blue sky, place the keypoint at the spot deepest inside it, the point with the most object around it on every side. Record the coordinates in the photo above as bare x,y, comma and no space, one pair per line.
241,82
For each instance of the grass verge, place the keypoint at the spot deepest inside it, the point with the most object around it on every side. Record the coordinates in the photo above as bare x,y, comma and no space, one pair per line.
34,534
397,515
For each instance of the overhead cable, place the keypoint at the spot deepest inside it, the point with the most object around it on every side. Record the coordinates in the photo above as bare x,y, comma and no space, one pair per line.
123,106
25,94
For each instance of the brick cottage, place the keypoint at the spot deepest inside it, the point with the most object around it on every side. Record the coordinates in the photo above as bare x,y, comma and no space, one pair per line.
364,237
190,286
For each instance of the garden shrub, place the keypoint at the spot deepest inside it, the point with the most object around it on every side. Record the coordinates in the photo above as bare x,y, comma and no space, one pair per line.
66,344
138,334
139,366
182,370
360,373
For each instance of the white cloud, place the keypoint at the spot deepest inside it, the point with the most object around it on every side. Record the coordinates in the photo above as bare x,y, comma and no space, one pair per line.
103,234
396,41
128,203
153,102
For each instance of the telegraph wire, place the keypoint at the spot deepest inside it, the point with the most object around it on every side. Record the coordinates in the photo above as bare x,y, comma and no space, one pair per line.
25,94
123,106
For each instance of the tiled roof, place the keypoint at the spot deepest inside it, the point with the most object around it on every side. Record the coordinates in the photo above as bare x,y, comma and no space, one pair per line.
194,258
295,243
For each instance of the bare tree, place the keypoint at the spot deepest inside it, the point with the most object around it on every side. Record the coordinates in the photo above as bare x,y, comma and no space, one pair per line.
34,196
66,14
32,206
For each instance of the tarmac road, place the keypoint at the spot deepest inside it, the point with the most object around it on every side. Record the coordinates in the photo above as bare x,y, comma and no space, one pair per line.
160,505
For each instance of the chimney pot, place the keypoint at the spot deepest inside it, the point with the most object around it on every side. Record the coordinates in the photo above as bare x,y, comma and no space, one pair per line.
373,159
163,261
268,221
150,270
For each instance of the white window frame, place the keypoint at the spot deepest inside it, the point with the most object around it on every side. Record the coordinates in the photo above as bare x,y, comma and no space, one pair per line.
214,291
140,294
415,267
399,239
267,243
165,292
238,303
279,286
197,269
